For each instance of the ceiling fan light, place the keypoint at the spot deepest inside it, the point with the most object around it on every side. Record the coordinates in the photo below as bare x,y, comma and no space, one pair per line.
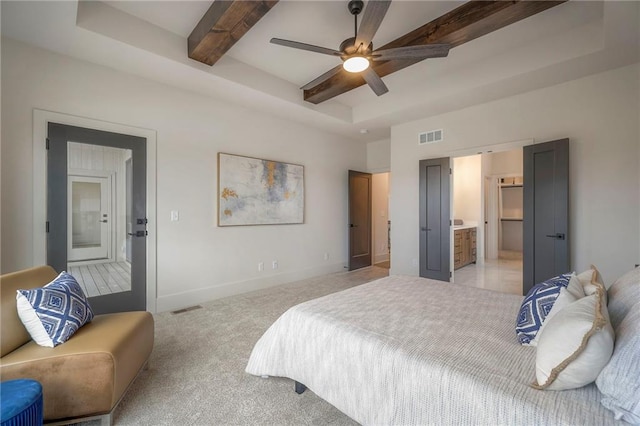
356,64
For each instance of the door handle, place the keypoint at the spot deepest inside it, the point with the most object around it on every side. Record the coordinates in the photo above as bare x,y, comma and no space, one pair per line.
351,225
103,221
557,236
425,229
138,234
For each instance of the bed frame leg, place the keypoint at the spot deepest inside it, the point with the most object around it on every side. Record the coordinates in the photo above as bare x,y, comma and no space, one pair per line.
300,388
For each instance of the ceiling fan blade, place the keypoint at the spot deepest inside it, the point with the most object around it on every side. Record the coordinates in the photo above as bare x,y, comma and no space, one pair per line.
371,20
305,46
323,77
411,52
374,81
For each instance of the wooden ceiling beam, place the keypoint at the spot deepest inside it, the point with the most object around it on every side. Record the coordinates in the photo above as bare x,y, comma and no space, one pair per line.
224,23
465,23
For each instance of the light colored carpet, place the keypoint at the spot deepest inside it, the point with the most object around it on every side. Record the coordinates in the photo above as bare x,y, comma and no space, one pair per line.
196,374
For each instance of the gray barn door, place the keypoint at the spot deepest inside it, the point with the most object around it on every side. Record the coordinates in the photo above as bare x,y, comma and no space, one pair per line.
546,212
360,191
110,286
434,219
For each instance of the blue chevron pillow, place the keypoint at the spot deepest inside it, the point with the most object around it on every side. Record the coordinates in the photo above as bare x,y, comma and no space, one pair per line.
536,306
53,313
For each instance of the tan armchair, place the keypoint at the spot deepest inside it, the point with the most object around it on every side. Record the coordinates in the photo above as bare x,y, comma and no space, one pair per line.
85,377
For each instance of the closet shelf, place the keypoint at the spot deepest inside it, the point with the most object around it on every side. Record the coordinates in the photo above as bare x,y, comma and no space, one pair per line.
511,219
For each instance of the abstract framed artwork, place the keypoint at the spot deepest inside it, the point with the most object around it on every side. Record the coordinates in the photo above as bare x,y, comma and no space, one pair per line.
253,191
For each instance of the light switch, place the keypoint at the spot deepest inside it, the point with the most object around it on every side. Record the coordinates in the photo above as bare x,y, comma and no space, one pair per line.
175,215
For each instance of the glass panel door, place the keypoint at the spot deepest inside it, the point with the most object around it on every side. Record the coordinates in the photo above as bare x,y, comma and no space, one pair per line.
96,212
89,217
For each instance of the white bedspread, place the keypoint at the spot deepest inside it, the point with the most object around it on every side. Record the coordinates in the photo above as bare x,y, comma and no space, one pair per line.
411,351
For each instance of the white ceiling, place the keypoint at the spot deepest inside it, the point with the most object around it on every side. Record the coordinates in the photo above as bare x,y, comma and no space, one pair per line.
148,38
323,23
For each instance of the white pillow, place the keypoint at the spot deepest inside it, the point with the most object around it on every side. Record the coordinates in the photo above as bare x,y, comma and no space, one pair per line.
591,280
619,380
569,294
576,286
586,278
575,345
623,294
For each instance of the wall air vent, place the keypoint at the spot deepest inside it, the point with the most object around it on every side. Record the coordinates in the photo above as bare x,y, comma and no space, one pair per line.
430,137
190,308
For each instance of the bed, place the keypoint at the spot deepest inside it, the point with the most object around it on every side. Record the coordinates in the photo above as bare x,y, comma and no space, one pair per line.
407,350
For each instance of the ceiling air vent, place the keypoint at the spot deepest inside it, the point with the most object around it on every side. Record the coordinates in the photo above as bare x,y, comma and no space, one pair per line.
430,137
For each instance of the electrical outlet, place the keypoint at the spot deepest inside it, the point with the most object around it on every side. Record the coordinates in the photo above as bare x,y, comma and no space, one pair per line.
326,256
274,265
175,215
260,266
414,262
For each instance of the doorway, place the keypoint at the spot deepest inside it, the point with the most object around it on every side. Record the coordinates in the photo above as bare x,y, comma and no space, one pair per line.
487,225
369,223
89,217
381,232
89,195
525,197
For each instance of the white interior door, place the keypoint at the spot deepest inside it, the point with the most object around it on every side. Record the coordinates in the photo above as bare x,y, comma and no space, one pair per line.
89,218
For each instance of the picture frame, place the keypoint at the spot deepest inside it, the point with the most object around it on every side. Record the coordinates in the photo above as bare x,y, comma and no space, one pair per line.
255,191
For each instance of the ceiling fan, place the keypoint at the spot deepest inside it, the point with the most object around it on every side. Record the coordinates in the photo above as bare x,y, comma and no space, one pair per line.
357,52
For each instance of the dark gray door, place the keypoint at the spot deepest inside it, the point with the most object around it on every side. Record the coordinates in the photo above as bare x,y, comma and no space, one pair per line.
546,212
359,219
434,219
104,279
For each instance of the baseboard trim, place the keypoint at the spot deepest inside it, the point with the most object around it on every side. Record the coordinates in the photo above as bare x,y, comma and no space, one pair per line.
380,258
181,300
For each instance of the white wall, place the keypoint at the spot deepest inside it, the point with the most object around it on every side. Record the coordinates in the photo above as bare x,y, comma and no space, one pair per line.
467,188
380,213
378,156
467,196
196,260
598,113
504,163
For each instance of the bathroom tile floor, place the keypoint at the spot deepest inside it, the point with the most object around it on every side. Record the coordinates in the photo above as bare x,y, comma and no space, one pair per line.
503,275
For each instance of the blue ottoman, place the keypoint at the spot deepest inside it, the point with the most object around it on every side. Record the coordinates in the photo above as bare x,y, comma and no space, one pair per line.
21,403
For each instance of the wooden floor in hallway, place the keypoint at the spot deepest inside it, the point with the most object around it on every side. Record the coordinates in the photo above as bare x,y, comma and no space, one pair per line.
102,278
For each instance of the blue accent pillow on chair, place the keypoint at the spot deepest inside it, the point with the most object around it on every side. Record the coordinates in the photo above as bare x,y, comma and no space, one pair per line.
536,306
53,313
